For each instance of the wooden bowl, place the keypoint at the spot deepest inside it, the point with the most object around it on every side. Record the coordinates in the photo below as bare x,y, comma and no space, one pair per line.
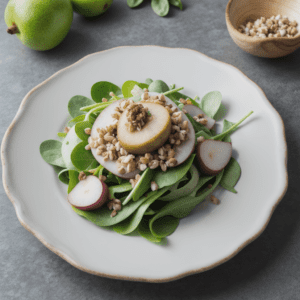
239,12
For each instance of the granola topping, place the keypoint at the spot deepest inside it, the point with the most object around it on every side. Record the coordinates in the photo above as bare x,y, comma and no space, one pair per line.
107,144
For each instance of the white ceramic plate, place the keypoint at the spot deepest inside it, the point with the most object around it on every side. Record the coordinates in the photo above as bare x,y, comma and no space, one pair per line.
211,234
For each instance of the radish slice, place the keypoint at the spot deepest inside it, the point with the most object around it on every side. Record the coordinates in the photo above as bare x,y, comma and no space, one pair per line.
89,194
213,156
194,110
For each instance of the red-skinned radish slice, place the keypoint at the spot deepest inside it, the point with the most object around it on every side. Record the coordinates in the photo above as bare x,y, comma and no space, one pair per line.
89,194
213,156
194,110
183,151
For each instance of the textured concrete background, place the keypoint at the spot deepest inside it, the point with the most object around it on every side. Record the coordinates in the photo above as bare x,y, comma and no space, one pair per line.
269,268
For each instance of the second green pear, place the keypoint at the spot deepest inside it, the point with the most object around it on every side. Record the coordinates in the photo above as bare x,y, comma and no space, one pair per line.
91,8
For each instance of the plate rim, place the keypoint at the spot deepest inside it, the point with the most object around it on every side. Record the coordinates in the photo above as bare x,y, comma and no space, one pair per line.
121,277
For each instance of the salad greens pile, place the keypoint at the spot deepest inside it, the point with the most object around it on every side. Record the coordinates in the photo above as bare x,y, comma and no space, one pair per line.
160,7
152,214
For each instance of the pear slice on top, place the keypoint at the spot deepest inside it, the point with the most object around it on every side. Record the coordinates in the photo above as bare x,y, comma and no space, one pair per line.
194,110
152,136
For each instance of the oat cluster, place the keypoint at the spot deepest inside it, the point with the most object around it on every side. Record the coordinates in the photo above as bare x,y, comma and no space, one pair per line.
180,129
137,117
279,26
115,205
107,144
200,119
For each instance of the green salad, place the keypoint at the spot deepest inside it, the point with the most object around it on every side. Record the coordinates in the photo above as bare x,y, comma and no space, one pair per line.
140,157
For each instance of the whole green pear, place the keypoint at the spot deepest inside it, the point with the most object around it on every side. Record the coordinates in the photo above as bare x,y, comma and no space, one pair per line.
39,24
91,8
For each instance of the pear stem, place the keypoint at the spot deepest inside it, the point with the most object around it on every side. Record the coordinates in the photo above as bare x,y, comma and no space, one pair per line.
13,29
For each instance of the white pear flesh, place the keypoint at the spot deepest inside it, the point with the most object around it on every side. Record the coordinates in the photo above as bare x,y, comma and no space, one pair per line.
194,110
213,156
103,120
183,151
89,194
152,136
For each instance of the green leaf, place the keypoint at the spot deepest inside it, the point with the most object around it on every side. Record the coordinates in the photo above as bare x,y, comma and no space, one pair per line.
112,178
118,189
176,96
227,125
180,208
130,224
128,86
174,92
176,3
74,121
142,186
102,89
164,226
50,151
134,3
211,103
231,175
204,134
176,192
221,112
160,7
82,159
148,81
172,175
149,212
230,130
73,176
98,171
63,176
79,129
158,86
144,231
101,216
62,135
75,103
227,139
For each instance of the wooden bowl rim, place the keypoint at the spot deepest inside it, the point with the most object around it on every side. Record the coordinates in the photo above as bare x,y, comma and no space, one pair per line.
250,39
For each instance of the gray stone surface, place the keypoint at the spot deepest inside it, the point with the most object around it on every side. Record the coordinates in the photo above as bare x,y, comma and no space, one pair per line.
269,268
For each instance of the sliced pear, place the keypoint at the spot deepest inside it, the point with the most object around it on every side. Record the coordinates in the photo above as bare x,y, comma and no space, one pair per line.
183,151
213,156
152,136
194,110
103,120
